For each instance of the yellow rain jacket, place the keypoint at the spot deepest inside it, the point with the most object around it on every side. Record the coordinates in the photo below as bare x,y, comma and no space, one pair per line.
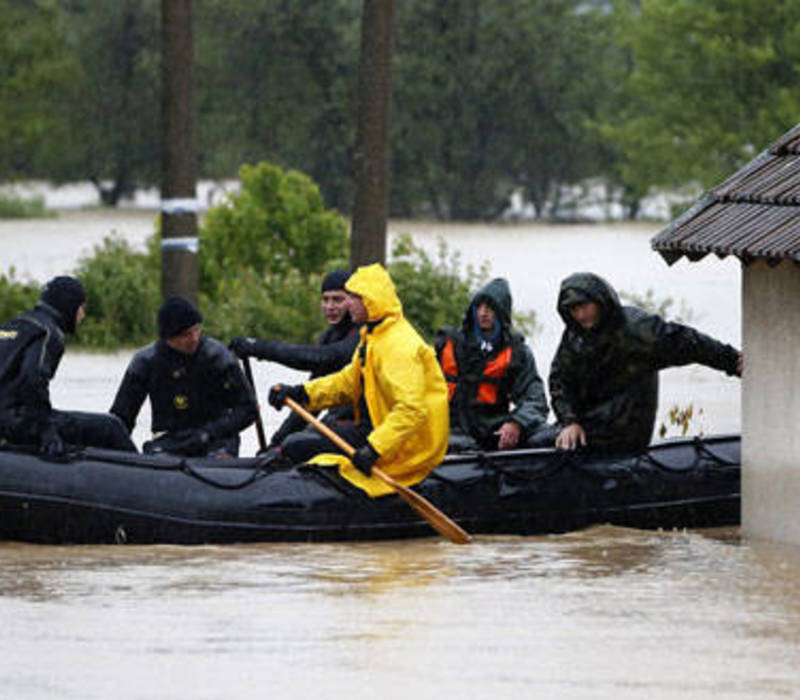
403,385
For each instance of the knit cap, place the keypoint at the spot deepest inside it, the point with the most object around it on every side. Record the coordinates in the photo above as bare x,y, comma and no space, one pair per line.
175,316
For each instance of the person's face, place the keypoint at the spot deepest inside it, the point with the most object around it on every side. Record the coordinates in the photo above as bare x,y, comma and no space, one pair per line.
80,314
585,314
188,341
486,317
334,305
355,305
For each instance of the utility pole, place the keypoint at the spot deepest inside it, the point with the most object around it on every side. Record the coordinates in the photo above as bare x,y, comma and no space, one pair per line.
179,243
371,156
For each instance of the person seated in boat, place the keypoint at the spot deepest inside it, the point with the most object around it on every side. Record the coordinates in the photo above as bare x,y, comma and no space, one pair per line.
497,399
333,351
199,397
396,389
604,376
31,347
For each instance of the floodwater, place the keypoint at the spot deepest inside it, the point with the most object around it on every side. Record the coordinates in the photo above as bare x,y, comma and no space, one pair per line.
602,613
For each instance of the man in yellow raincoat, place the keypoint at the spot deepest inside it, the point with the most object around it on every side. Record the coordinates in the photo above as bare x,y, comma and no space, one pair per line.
395,385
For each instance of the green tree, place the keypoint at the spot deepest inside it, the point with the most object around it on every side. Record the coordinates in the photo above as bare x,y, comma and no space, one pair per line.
278,81
490,97
708,85
114,113
37,75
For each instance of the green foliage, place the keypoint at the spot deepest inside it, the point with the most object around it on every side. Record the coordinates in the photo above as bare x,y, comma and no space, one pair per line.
12,207
433,291
707,85
16,296
277,222
114,111
278,85
283,306
491,97
37,70
123,295
263,253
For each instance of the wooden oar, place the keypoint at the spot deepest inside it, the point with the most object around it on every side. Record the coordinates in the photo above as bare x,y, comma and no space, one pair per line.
438,520
262,438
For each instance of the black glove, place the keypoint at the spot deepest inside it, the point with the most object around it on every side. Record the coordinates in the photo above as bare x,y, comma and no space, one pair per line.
50,444
242,347
194,444
364,458
191,443
280,392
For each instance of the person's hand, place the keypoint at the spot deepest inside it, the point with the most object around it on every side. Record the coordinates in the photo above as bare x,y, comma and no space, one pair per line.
280,392
571,437
51,444
364,458
242,347
194,444
508,435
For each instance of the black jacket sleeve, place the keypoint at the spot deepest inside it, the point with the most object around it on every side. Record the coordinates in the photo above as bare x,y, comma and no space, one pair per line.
132,392
319,359
238,400
677,345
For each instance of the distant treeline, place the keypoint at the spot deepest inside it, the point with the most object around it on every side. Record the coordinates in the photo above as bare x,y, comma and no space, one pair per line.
490,96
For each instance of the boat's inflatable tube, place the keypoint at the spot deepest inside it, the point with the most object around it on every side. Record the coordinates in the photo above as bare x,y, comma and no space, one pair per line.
101,496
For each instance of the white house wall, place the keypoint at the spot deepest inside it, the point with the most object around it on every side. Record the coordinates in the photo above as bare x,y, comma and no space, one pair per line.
771,402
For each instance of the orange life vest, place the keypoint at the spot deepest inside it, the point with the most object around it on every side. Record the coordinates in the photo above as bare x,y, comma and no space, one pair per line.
493,373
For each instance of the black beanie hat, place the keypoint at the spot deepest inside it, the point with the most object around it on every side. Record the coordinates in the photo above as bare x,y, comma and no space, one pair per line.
175,316
65,295
336,279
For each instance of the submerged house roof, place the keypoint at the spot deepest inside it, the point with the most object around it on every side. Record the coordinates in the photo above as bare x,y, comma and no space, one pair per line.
754,214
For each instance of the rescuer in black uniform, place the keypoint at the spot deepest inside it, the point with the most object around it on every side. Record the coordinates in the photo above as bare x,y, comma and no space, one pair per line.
31,347
333,351
199,397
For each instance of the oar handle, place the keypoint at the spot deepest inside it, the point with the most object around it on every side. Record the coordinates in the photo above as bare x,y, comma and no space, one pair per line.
437,520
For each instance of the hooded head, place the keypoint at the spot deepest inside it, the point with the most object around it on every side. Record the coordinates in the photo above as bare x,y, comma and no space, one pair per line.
582,287
65,295
497,294
376,289
175,316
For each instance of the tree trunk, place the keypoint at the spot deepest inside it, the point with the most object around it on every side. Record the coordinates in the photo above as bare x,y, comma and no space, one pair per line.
178,201
371,156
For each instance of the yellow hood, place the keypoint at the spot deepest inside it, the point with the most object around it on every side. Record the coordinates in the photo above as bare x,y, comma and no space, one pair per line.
376,289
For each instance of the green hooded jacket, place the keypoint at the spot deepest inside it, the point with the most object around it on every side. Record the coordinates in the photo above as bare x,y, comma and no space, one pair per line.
520,396
606,378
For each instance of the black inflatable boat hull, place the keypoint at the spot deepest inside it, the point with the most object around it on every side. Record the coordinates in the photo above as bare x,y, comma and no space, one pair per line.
107,497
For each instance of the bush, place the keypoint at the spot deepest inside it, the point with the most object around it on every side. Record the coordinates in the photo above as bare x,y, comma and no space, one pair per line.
433,292
122,295
276,223
12,207
263,254
16,297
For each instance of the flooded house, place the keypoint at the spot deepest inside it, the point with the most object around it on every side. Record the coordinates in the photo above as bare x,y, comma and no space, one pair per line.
755,215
